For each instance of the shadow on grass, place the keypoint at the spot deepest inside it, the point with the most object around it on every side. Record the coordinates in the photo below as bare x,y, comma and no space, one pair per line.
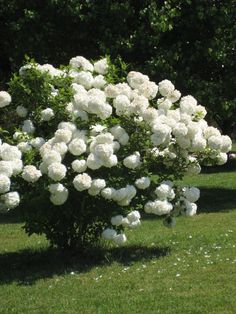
13,216
27,266
216,200
228,167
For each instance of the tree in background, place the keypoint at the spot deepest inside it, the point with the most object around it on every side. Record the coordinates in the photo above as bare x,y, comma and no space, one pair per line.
190,42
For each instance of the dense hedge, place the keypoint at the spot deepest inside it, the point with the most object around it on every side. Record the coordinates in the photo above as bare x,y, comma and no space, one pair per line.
188,41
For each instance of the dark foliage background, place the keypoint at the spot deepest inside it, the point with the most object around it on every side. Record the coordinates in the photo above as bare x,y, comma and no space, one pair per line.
191,42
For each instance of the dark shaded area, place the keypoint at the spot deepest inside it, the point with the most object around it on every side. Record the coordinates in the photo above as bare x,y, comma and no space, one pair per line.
13,216
216,200
27,266
192,43
230,166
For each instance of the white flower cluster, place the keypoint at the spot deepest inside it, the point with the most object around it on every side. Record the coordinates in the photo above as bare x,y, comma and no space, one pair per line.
5,99
96,158
122,196
10,166
132,220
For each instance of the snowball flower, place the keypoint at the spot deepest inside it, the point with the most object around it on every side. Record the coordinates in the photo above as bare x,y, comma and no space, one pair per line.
85,79
198,143
17,135
143,183
59,194
96,186
200,112
11,199
135,224
5,99
28,127
164,104
60,147
221,159
67,126
124,196
5,183
21,111
31,174
97,106
108,193
78,89
192,194
82,182
49,69
6,168
47,114
188,104
139,104
133,216
117,220
120,194
120,134
148,89
191,208
101,66
226,145
132,161
37,142
174,96
93,162
103,151
24,147
111,91
210,131
80,62
166,88
77,147
105,138
164,191
57,171
108,234
17,166
10,152
158,207
135,79
122,104
214,142
161,134
79,165
125,222
183,142
193,130
63,135
96,129
51,156
180,130
120,239
194,168
99,81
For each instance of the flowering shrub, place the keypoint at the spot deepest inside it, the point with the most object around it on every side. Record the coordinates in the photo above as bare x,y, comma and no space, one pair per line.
87,153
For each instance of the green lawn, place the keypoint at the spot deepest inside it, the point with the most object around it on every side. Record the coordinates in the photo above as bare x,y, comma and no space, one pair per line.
188,269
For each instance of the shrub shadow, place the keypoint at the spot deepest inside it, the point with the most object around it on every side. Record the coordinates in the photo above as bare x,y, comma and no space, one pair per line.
230,166
27,266
13,216
216,200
